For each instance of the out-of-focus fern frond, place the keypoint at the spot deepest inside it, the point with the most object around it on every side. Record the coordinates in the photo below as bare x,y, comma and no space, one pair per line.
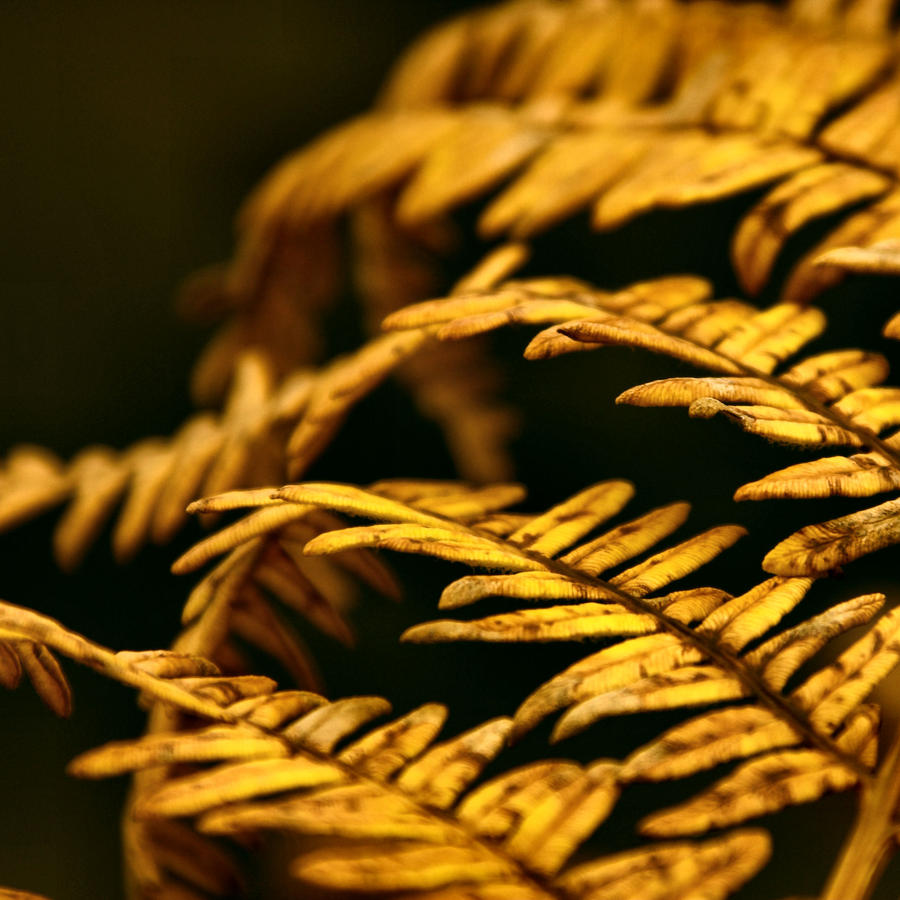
395,812
619,108
264,430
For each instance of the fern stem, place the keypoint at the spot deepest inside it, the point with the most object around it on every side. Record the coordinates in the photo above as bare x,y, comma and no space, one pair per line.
871,842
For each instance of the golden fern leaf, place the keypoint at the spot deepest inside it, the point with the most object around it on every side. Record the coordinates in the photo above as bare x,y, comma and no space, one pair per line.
284,764
686,647
189,683
826,400
394,811
690,644
170,858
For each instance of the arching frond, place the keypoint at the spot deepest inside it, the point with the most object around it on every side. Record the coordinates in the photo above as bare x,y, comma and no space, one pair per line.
396,811
684,648
826,400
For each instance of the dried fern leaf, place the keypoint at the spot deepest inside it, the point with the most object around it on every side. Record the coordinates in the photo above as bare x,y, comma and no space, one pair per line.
860,475
268,555
707,741
342,383
173,860
766,785
698,658
33,480
873,225
712,869
620,108
820,549
389,807
282,768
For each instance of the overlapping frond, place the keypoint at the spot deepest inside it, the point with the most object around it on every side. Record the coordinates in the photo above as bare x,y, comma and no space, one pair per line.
395,810
613,108
683,649
828,400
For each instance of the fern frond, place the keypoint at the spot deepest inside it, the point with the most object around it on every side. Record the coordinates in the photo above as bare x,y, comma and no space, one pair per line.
189,683
827,400
396,812
686,648
285,764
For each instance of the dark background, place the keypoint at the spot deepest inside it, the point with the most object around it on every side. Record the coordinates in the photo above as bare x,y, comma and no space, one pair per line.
131,133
